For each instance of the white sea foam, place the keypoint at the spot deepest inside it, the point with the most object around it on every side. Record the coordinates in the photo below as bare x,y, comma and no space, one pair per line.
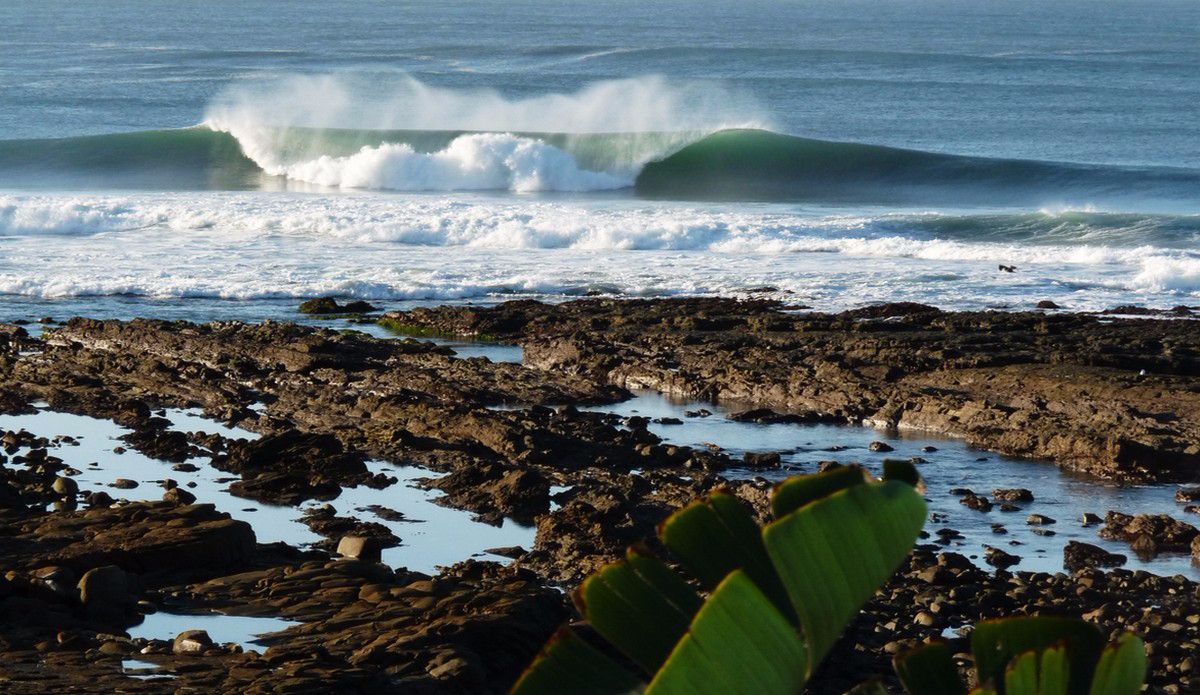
487,161
401,246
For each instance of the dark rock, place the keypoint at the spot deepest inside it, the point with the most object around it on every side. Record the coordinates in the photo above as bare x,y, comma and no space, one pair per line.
100,499
322,305
1047,304
976,502
1016,494
1188,494
366,548
761,460
998,558
191,642
107,584
766,416
359,307
65,486
1149,534
1077,556
178,496
1039,520
880,446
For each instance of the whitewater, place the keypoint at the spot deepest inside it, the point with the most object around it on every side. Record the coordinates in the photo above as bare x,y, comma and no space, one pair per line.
231,174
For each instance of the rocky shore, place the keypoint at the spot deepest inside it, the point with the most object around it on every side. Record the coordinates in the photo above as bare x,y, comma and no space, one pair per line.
1115,398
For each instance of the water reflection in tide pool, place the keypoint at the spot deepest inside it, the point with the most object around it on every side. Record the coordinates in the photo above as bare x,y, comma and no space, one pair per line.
222,629
1062,496
432,536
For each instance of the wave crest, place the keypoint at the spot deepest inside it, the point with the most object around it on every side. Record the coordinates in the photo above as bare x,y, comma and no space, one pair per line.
482,161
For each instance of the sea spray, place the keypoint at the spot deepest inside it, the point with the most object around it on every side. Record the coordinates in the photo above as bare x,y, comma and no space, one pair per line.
396,132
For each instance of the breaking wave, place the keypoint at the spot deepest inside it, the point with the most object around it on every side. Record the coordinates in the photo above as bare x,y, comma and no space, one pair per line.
649,137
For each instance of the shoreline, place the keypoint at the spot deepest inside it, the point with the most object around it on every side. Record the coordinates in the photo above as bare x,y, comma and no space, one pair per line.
1068,388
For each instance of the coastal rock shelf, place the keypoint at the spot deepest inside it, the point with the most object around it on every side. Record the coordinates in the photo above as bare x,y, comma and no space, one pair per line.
548,444
1116,398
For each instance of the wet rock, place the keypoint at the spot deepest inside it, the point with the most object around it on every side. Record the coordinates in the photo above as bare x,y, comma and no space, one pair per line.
976,502
1015,494
191,642
323,305
1090,519
178,496
292,466
107,584
1188,494
124,484
880,446
998,558
1149,534
147,537
761,460
160,443
65,486
100,499
367,548
766,416
329,305
497,491
1077,556
1039,520
1047,304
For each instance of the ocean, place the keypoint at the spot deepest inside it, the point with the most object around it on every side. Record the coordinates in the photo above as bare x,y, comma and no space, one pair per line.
227,160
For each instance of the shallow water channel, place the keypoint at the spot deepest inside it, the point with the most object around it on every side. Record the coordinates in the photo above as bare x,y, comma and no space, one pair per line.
1060,495
431,535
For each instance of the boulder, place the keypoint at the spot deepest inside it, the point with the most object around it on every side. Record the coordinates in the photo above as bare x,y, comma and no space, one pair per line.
191,642
1077,556
1149,533
366,548
107,584
322,305
65,486
1015,494
998,558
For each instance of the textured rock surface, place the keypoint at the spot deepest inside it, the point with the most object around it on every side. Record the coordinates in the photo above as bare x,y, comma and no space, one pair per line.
1066,387
1116,398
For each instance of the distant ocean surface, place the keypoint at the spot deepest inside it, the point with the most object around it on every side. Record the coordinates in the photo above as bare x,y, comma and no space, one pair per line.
230,159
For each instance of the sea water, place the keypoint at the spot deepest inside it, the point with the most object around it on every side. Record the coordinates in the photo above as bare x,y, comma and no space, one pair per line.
228,160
